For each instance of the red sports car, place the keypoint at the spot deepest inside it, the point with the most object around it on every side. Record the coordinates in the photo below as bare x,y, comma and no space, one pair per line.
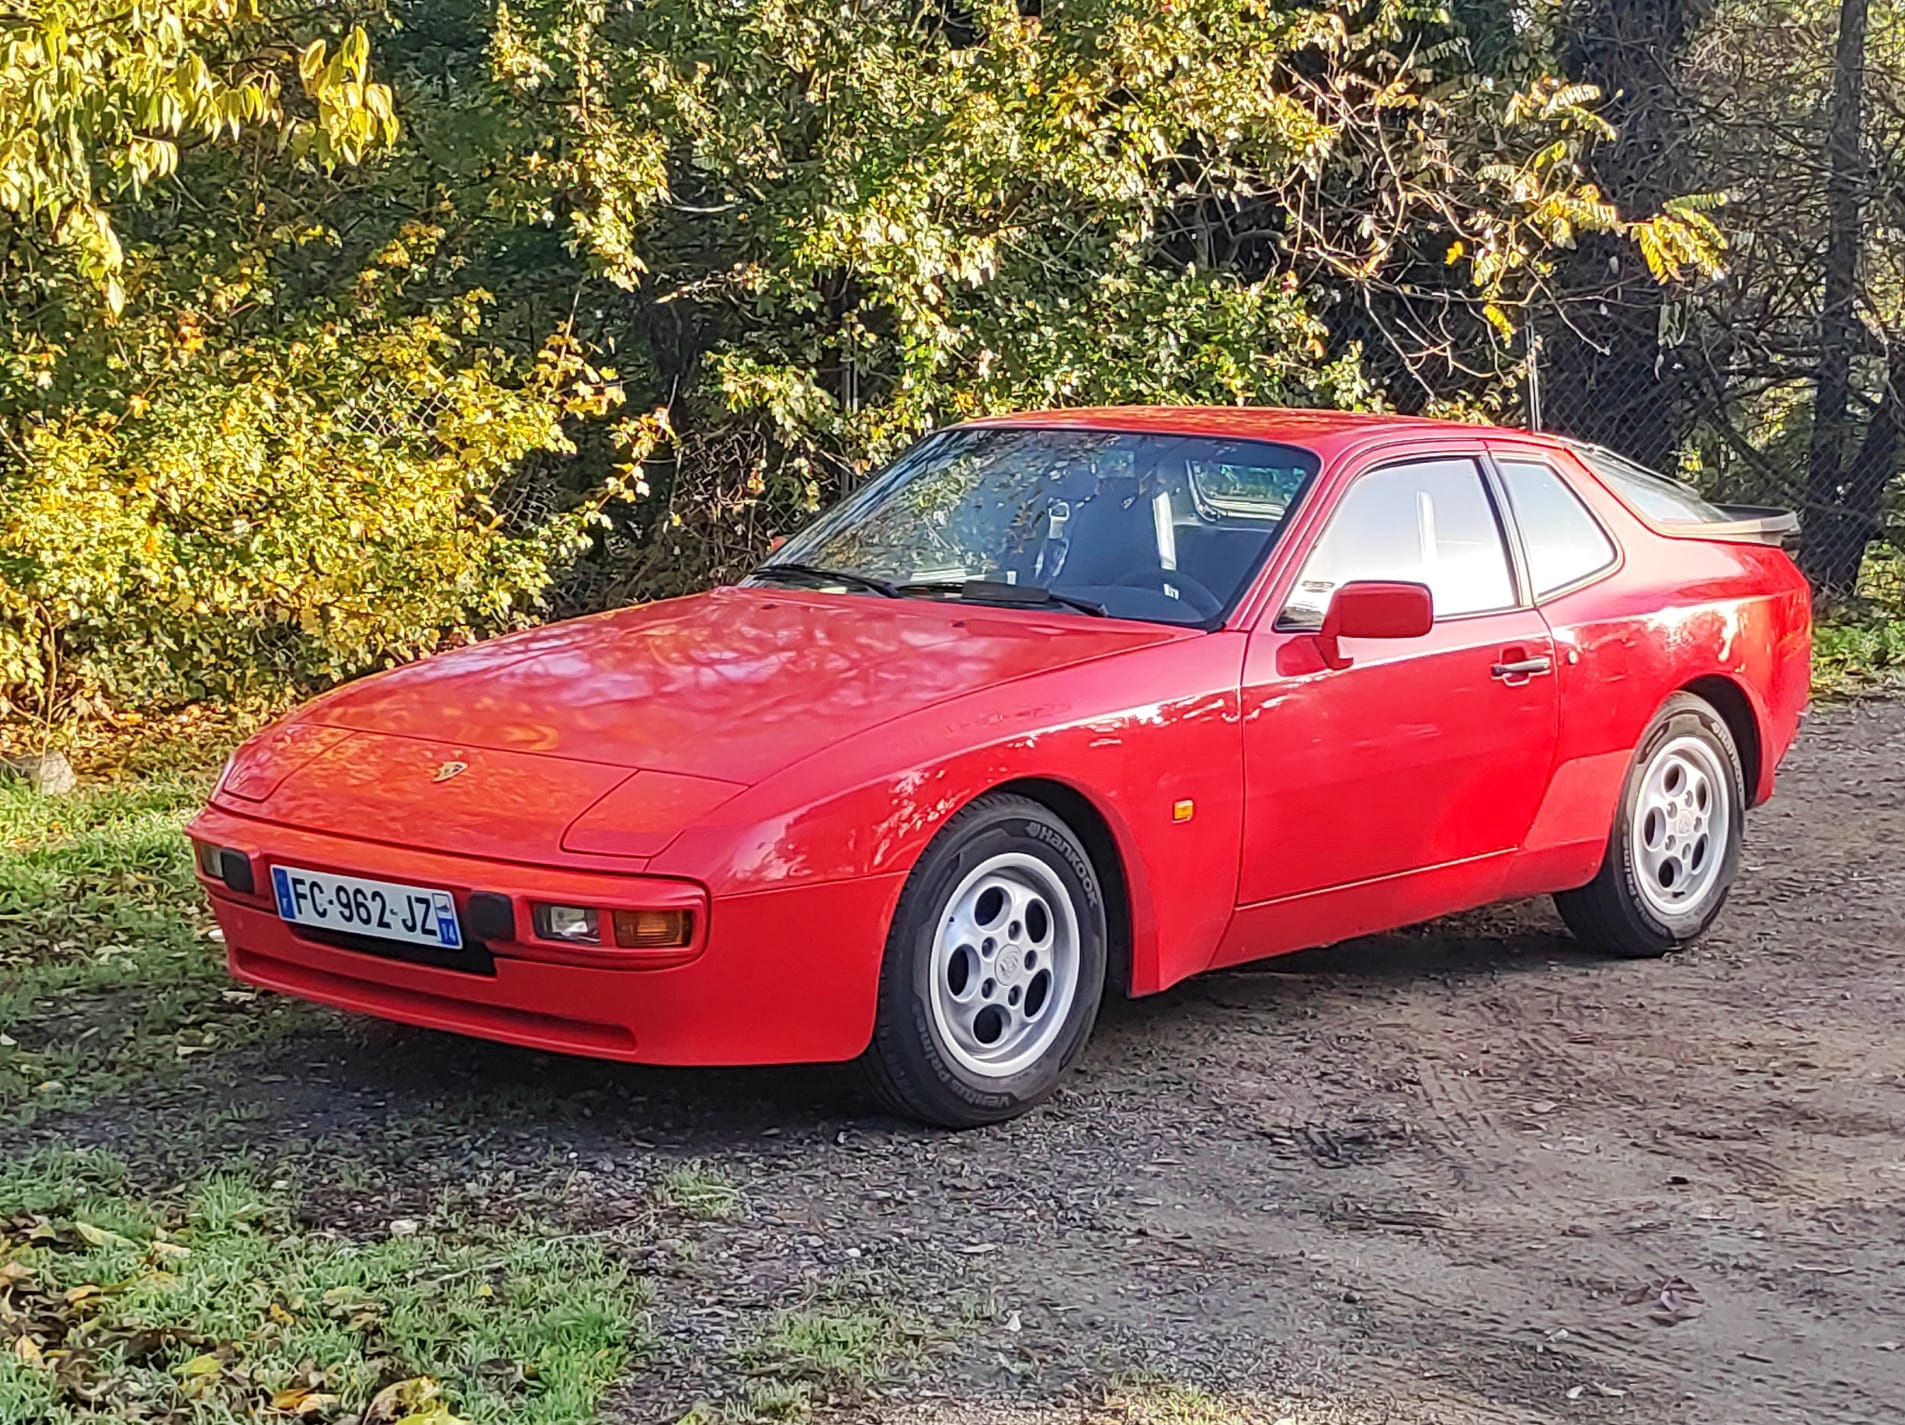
1053,705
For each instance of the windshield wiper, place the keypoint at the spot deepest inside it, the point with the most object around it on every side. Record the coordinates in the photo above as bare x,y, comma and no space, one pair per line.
994,591
833,576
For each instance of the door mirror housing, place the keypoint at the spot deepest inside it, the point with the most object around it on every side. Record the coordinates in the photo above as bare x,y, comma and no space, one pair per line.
1374,608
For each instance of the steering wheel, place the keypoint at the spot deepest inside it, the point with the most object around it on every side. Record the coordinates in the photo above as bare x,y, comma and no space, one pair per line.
1195,596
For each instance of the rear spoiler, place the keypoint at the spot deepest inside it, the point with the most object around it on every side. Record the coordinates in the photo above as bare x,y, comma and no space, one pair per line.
1744,524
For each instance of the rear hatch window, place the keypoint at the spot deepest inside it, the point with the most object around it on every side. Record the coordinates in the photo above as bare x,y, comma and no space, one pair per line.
1678,509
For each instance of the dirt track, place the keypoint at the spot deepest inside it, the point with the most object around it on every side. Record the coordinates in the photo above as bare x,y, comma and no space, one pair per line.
1457,1173
1465,1173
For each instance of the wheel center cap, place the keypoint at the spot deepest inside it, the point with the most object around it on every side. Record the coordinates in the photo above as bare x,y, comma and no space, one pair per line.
1010,965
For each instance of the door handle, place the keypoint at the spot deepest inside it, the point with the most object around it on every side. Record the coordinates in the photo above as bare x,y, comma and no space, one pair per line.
1524,667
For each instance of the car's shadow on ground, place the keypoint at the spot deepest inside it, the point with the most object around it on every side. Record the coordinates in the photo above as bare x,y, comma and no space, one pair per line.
501,1088
1437,951
425,1103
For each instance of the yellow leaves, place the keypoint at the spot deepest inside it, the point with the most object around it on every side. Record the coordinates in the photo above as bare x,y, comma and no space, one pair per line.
304,1400
94,109
1682,238
513,57
150,158
322,495
355,116
1675,242
311,61
418,1401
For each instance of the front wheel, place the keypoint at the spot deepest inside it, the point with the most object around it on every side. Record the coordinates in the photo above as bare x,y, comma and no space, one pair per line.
1675,847
994,967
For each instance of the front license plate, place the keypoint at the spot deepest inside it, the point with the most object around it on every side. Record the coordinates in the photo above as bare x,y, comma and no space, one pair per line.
415,915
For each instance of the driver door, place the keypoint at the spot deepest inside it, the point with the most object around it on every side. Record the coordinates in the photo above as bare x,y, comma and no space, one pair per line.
1396,788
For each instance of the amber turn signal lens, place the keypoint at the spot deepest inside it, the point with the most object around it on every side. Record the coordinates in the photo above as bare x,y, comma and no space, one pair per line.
653,929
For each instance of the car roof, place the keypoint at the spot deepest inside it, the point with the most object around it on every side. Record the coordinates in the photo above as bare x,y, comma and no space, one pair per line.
1324,432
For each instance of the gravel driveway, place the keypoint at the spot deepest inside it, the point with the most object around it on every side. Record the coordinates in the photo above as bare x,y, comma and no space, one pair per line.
1462,1173
1465,1172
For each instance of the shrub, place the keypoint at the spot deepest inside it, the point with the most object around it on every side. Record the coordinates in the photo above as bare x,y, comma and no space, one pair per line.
297,509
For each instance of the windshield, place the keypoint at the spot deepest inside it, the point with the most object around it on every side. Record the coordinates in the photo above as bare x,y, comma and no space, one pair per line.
1168,528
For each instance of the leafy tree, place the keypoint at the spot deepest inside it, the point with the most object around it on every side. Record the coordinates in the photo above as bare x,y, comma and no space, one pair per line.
338,392
1606,354
1795,361
841,226
98,98
255,434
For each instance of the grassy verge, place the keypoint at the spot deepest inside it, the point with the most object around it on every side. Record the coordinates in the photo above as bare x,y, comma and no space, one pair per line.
215,1305
108,972
832,1349
1858,647
1858,653
217,1299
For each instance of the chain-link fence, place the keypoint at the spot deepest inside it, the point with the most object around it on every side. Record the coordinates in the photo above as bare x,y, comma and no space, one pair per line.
1667,411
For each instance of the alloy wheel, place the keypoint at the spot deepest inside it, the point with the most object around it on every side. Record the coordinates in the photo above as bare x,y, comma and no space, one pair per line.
1681,821
1005,964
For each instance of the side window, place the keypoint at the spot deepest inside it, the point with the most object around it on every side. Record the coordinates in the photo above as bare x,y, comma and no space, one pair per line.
1565,543
1427,522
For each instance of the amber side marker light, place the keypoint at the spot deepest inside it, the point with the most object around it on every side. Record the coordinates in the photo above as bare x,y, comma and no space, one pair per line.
654,929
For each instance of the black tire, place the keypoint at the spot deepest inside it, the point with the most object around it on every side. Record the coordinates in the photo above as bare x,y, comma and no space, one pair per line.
1611,913
910,1065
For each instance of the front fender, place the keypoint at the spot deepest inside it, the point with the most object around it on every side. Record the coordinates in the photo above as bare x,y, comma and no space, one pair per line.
1151,739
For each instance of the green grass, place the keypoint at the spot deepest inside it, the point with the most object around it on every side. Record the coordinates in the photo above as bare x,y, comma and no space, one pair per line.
209,1305
847,1338
835,1344
1859,653
206,1301
107,971
1859,646
700,1192
763,1402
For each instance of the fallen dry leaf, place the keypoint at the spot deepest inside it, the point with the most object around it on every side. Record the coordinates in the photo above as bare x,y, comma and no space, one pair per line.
417,1401
303,1400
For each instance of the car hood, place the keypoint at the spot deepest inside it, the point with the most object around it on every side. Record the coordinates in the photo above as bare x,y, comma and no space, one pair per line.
699,697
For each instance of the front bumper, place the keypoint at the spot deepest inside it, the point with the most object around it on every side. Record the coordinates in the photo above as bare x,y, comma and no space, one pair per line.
785,976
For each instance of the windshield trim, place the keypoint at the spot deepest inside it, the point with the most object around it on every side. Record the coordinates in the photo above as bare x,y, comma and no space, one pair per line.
869,492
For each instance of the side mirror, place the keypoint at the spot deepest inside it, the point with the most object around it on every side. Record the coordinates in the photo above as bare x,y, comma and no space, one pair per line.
1372,608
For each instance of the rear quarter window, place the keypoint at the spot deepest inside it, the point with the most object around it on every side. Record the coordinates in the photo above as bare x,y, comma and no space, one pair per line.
1564,542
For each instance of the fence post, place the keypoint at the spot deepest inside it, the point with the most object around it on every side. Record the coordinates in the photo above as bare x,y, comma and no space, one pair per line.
1534,378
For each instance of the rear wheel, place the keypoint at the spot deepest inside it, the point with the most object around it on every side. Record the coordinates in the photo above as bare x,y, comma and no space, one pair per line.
1675,847
994,967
